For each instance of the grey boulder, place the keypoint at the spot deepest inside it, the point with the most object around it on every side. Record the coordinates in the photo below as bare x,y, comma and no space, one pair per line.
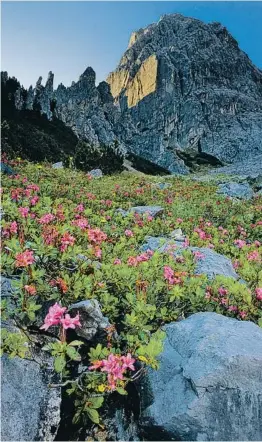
209,384
96,173
236,190
30,410
91,318
211,264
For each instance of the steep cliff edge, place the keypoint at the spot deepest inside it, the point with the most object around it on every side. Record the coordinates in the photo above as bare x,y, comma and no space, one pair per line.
185,88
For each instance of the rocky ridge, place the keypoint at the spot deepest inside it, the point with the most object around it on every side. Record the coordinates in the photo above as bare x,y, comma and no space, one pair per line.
184,93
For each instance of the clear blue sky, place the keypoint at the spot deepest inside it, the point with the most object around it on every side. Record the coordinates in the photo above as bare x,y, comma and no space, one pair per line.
66,37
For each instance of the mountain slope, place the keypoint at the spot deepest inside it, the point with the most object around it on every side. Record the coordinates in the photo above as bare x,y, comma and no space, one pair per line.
183,85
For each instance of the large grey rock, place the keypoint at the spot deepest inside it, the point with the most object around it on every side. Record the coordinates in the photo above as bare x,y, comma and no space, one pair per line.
211,264
236,190
91,318
30,410
209,384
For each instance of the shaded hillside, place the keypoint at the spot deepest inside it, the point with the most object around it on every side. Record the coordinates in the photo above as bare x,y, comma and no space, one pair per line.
28,133
31,135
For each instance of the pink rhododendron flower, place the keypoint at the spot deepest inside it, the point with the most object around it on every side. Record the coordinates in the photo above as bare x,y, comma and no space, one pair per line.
30,289
129,233
259,293
54,316
24,259
96,235
132,261
179,220
24,211
115,366
46,219
66,241
80,222
13,227
242,314
232,308
222,291
253,256
236,264
240,243
69,322
198,255
34,200
117,261
80,208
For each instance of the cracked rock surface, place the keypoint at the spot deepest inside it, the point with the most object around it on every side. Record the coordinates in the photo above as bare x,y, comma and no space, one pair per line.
209,384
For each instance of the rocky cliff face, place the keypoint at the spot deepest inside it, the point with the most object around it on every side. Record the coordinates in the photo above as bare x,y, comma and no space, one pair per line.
88,110
185,87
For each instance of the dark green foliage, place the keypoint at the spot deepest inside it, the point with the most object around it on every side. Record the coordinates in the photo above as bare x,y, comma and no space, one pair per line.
106,158
30,135
146,166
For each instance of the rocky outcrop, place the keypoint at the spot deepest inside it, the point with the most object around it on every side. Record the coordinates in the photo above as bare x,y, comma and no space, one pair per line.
201,94
209,384
210,264
88,110
30,409
236,190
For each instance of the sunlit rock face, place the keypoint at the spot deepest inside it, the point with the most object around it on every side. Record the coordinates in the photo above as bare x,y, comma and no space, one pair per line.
183,85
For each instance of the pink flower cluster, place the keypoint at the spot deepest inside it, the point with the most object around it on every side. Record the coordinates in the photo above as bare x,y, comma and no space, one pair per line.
96,236
82,223
254,256
198,255
24,259
202,234
169,275
240,243
10,229
115,366
135,260
24,211
56,316
46,219
129,233
259,293
66,241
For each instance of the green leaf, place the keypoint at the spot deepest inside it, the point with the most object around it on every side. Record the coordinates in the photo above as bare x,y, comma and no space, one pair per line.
60,363
260,322
93,415
97,402
76,343
122,391
73,354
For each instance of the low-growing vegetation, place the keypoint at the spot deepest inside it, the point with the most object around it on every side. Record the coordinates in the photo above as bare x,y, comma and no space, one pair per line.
64,241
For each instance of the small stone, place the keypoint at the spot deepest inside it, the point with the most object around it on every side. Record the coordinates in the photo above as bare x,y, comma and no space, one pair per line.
96,173
91,318
58,165
177,234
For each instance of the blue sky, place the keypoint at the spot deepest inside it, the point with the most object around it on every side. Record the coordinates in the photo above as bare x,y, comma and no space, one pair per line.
66,37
